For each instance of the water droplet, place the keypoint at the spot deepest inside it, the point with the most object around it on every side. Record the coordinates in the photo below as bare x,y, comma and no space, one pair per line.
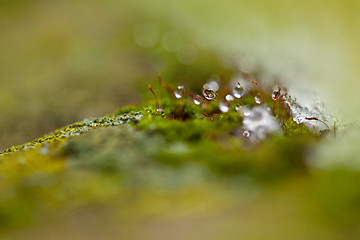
229,98
197,99
299,119
238,91
276,94
160,109
224,107
209,94
258,99
197,102
237,107
179,91
211,85
246,133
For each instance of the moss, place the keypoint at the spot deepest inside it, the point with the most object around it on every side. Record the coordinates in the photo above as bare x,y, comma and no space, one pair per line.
139,152
293,129
77,129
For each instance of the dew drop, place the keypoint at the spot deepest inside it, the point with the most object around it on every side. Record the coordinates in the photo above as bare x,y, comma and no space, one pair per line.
246,133
258,99
197,99
212,85
209,94
299,119
179,91
197,102
238,91
224,107
275,95
229,98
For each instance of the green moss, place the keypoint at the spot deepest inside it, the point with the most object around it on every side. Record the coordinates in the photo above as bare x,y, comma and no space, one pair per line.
294,130
77,129
139,151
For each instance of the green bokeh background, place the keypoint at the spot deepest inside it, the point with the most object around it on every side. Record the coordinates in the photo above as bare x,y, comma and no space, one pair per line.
62,61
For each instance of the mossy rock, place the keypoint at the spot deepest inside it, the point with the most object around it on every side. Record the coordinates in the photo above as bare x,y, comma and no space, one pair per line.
142,169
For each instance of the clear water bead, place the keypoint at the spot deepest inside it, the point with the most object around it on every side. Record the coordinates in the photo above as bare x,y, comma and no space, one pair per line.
229,98
197,102
224,107
238,91
209,94
212,85
246,133
276,94
299,119
179,91
197,99
258,99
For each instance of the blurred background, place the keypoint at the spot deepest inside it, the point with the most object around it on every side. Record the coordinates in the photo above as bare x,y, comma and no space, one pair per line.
62,61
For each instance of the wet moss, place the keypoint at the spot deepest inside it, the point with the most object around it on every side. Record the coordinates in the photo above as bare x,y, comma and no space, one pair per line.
139,151
76,129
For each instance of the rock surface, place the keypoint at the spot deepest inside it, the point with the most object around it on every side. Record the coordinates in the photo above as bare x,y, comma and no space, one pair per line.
140,175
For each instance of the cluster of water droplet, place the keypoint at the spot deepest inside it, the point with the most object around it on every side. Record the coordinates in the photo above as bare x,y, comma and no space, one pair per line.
209,93
258,121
